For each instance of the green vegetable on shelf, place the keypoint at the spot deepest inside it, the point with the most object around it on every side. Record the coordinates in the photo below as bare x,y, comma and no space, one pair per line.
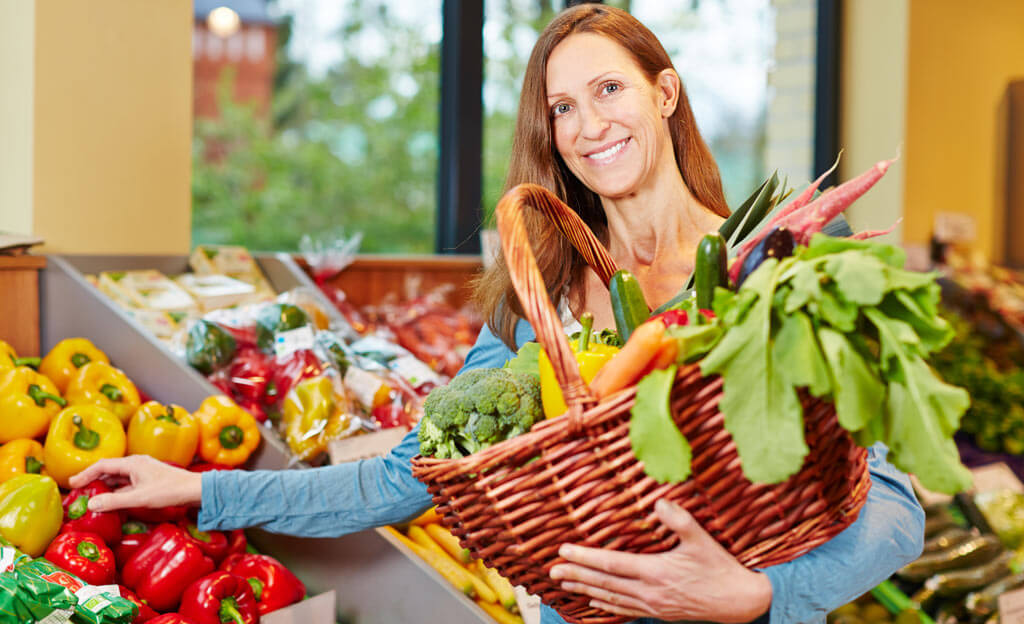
276,318
208,346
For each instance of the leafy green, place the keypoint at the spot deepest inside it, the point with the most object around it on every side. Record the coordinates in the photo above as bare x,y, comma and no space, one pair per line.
798,356
527,360
858,391
656,440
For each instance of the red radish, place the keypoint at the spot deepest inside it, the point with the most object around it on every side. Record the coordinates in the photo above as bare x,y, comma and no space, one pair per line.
873,233
801,200
813,217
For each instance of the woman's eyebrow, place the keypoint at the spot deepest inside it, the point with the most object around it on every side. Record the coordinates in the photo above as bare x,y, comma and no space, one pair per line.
590,83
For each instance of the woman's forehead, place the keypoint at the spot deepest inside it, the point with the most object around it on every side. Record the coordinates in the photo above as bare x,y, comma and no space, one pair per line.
582,57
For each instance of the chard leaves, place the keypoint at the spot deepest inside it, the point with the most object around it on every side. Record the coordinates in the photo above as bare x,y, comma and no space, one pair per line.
656,440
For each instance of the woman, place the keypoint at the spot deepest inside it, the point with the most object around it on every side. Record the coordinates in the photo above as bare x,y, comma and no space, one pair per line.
603,122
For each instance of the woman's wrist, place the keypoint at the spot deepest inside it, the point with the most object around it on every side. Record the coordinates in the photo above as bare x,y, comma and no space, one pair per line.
757,596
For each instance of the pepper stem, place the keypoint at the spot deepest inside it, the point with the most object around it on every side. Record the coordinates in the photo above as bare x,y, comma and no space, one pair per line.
80,359
133,527
85,438
194,531
231,437
587,320
112,392
88,550
169,416
79,507
40,396
229,611
31,362
257,587
33,465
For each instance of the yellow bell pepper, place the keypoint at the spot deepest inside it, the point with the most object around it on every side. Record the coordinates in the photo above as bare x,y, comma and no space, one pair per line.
99,383
313,417
28,401
227,433
167,432
9,359
80,436
18,457
30,512
590,358
66,357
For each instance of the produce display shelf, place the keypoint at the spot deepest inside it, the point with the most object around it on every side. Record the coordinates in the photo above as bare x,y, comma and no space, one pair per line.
376,579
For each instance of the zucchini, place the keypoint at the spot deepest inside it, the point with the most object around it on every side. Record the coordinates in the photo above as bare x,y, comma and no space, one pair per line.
970,553
937,522
710,270
628,304
985,601
947,539
956,583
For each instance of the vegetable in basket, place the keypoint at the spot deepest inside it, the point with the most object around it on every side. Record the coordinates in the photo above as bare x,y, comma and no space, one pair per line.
477,409
591,355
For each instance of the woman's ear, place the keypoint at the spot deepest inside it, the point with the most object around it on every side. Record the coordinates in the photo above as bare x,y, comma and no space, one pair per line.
668,87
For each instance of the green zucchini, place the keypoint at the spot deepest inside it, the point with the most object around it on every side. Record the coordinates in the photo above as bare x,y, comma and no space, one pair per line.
948,538
628,304
956,583
710,270
985,601
970,553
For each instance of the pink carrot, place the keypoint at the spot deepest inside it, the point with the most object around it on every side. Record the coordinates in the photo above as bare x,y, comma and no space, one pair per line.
802,199
873,233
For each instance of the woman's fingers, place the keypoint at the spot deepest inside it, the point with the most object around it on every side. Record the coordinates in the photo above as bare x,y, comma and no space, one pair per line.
117,467
572,573
623,604
613,562
114,500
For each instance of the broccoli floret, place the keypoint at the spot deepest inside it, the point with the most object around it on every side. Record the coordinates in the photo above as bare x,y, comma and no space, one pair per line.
477,409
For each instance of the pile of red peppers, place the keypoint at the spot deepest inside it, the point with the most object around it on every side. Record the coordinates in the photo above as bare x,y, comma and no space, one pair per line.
174,572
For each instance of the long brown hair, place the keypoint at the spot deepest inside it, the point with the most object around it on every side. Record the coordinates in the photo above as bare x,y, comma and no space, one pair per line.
535,159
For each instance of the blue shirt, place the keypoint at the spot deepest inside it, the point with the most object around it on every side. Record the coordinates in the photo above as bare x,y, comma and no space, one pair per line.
335,500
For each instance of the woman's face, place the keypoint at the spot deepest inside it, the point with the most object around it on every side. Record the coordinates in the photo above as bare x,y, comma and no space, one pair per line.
608,121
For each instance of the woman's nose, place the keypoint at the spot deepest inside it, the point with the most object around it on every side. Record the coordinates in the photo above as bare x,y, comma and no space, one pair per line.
592,122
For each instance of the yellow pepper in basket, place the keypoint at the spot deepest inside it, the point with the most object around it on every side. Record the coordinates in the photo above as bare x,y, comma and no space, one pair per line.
166,432
313,417
9,359
28,401
99,383
80,436
66,357
590,356
18,457
227,433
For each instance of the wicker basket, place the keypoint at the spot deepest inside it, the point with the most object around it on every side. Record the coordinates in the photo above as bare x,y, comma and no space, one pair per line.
575,479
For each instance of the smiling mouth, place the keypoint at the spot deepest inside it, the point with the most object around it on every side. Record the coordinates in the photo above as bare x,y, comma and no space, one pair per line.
609,153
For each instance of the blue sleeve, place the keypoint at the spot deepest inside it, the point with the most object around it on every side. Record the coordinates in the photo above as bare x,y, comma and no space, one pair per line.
888,533
333,500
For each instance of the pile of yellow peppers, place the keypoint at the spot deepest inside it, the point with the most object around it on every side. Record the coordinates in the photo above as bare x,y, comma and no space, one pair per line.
77,409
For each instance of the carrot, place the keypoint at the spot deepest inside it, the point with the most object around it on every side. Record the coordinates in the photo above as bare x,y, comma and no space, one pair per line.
631,361
667,353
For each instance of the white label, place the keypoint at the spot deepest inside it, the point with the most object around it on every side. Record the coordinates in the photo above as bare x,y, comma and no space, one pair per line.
288,342
414,371
1011,607
59,616
7,556
362,384
996,477
91,597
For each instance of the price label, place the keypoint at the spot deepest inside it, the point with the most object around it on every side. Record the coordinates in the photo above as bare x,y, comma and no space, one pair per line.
58,616
7,556
288,342
1011,607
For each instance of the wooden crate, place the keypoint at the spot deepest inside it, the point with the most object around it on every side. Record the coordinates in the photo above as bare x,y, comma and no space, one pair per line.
371,279
19,302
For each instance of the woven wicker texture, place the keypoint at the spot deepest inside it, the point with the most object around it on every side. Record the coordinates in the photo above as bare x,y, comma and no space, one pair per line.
575,479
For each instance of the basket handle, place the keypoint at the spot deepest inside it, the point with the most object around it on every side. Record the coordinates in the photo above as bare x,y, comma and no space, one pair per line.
529,284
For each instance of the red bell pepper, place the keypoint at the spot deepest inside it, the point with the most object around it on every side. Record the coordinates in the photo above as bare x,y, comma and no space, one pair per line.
214,544
84,555
220,597
164,566
207,466
274,585
158,515
146,612
237,543
77,517
293,368
251,375
171,618
133,535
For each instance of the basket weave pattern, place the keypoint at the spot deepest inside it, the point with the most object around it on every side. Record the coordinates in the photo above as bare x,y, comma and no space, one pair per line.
575,479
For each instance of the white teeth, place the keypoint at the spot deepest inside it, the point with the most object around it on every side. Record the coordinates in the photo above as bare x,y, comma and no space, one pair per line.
608,153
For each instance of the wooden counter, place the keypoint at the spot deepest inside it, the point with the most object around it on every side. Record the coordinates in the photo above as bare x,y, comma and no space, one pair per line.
19,302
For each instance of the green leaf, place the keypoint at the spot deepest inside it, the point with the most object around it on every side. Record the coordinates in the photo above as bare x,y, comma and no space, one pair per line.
798,356
896,338
806,284
932,330
756,213
694,340
858,391
761,408
527,360
656,440
824,245
860,277
836,310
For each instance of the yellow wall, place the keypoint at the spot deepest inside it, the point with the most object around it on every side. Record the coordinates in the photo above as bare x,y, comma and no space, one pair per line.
111,123
873,56
960,60
16,103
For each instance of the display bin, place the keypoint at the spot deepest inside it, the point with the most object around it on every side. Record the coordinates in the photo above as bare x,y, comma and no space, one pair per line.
376,579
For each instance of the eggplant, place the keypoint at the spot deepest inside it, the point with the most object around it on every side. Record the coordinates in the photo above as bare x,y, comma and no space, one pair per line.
779,243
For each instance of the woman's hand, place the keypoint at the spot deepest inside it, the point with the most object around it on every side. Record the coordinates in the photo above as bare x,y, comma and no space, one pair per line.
142,481
696,580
